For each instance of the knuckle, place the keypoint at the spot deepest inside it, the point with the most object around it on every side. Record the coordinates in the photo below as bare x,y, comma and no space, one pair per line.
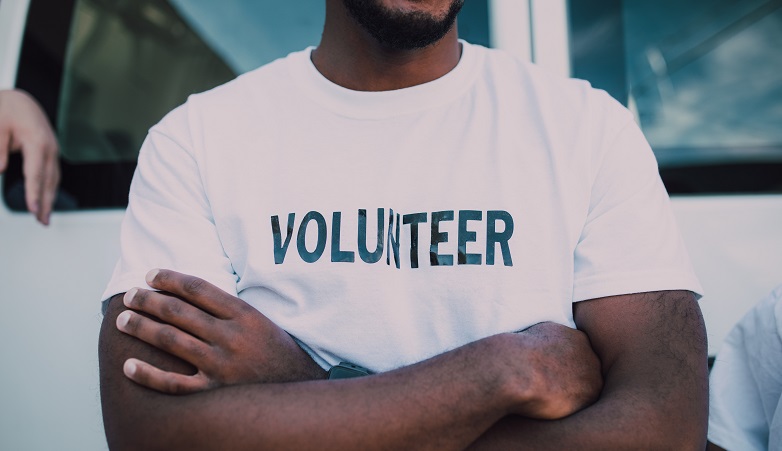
166,338
209,320
246,308
233,333
194,285
171,308
34,177
173,386
38,143
197,351
51,148
52,181
206,383
141,298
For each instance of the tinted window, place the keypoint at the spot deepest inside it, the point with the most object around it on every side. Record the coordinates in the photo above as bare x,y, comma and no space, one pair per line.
702,78
107,70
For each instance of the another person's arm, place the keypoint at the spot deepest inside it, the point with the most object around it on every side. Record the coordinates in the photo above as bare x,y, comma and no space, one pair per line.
745,412
442,403
24,128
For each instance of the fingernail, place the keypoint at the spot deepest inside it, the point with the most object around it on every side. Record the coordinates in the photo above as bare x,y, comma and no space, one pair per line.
151,276
123,319
128,298
130,368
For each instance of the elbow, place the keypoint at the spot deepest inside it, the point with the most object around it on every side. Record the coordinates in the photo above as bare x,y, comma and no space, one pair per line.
693,438
123,435
676,432
118,442
136,423
693,442
649,422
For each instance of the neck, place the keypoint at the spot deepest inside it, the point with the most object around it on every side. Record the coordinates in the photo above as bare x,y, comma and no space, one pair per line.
350,57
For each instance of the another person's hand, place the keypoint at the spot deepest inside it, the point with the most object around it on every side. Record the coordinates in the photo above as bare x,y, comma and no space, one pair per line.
24,128
227,340
553,371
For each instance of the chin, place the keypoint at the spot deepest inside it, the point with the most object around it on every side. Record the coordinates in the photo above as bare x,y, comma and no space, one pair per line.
405,24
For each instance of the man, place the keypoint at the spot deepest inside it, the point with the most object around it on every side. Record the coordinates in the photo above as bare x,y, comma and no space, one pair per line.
309,187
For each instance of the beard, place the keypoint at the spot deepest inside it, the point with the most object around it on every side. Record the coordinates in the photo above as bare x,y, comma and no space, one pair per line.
401,30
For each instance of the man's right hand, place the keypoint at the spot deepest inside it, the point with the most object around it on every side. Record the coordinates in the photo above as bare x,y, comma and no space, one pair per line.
553,371
228,341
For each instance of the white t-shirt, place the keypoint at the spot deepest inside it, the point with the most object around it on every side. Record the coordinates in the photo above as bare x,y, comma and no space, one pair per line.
505,194
746,381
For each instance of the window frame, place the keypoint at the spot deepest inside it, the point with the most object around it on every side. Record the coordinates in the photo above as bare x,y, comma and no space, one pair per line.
40,71
685,170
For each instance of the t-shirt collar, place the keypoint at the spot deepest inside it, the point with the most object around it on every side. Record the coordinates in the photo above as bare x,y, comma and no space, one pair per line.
383,104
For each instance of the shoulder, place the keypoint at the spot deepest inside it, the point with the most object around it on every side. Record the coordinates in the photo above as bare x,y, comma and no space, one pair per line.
544,86
265,81
565,106
268,78
261,87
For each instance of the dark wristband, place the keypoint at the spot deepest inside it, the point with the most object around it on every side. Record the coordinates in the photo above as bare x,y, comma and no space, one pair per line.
347,370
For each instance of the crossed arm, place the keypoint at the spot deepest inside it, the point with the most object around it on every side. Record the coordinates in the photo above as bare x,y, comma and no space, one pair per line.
506,390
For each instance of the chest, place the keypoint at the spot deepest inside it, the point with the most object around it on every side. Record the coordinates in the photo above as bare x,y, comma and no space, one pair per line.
417,221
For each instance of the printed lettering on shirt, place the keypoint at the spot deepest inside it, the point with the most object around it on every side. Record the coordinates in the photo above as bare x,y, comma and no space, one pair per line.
374,242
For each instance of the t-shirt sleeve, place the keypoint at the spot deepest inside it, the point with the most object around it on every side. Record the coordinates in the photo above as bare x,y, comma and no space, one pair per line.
630,242
168,223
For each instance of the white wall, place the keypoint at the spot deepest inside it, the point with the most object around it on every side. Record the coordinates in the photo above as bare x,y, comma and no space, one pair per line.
50,284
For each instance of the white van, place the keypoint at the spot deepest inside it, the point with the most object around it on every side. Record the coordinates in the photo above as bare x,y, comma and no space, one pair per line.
701,76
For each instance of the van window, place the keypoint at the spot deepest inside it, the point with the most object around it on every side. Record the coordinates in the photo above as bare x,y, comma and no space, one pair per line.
105,71
702,78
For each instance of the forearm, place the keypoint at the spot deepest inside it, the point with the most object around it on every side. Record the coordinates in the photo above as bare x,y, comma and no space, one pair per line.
624,418
381,412
655,395
442,403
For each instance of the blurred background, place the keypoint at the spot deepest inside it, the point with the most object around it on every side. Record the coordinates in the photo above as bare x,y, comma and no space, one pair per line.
703,79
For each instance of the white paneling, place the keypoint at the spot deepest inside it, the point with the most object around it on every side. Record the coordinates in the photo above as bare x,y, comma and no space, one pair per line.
510,27
735,243
51,281
550,42
12,15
